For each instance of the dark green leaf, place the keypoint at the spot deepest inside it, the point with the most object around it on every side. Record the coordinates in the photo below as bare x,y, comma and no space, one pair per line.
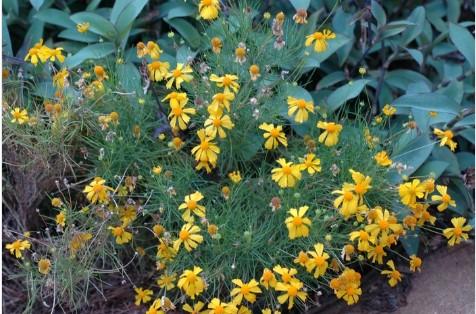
6,42
331,79
416,55
378,13
129,77
433,168
468,134
10,6
37,4
314,59
55,17
300,4
417,17
464,41
429,102
465,160
344,93
73,34
98,24
95,51
186,30
414,154
128,15
410,242
444,154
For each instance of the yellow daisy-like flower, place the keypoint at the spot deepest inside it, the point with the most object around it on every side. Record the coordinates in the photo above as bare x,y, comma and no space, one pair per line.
444,198
317,261
216,44
60,79
330,136
457,233
209,9
268,279
410,191
446,138
254,71
217,123
292,290
191,206
101,73
287,175
96,191
244,290
37,53
167,281
153,50
218,307
382,159
389,110
189,236
287,274
195,309
176,99
347,286
347,202
235,176
158,70
297,224
180,116
394,276
273,135
156,307
221,101
17,247
143,296
300,108
157,170
376,253
19,115
227,81
383,223
300,17
310,163
362,184
179,75
83,27
191,283
364,240
44,266
122,236
206,150
415,263
320,39
61,219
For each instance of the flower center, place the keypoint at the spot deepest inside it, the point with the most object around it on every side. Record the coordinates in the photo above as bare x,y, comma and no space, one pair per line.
191,277
177,111
216,122
220,97
245,289
292,291
287,170
118,231
445,198
286,277
318,36
98,188
267,276
458,231
379,249
350,290
254,69
240,52
331,128
274,132
219,310
226,81
448,134
319,260
183,235
301,104
383,224
177,73
191,204
359,188
364,236
297,221
348,196
204,145
207,2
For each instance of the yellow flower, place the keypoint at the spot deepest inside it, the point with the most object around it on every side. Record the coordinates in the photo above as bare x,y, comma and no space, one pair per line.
97,191
415,263
429,186
37,53
292,290
362,71
164,251
227,81
209,9
141,49
158,70
300,17
317,261
142,296
17,247
330,136
101,74
321,39
444,198
383,159
53,54
273,135
446,138
302,258
410,191
268,279
216,123
78,241
347,202
218,307
56,202
216,45
191,283
394,276
179,115
176,143
166,281
362,183
389,110
347,286
310,163
157,170
196,309
220,101
44,266
61,219
376,253
254,72
245,290
457,233
122,236
155,308
383,223
83,27
153,50
19,115
287,175
60,79
191,206
266,15
240,54
287,274
300,107
206,150
297,224
179,75
235,176
189,236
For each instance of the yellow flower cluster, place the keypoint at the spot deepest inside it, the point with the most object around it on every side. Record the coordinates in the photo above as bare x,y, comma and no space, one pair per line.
42,53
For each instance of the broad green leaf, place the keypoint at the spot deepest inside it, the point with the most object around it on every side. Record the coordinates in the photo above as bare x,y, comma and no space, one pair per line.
44,89
379,13
129,77
55,17
417,17
443,153
314,59
338,97
433,168
10,6
402,78
415,153
416,55
463,199
394,28
95,51
331,79
343,23
427,101
73,34
182,10
98,24
250,147
465,160
37,4
93,5
6,41
186,30
300,4
454,11
468,134
464,41
410,242
127,16
34,34
468,120
184,53
117,9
